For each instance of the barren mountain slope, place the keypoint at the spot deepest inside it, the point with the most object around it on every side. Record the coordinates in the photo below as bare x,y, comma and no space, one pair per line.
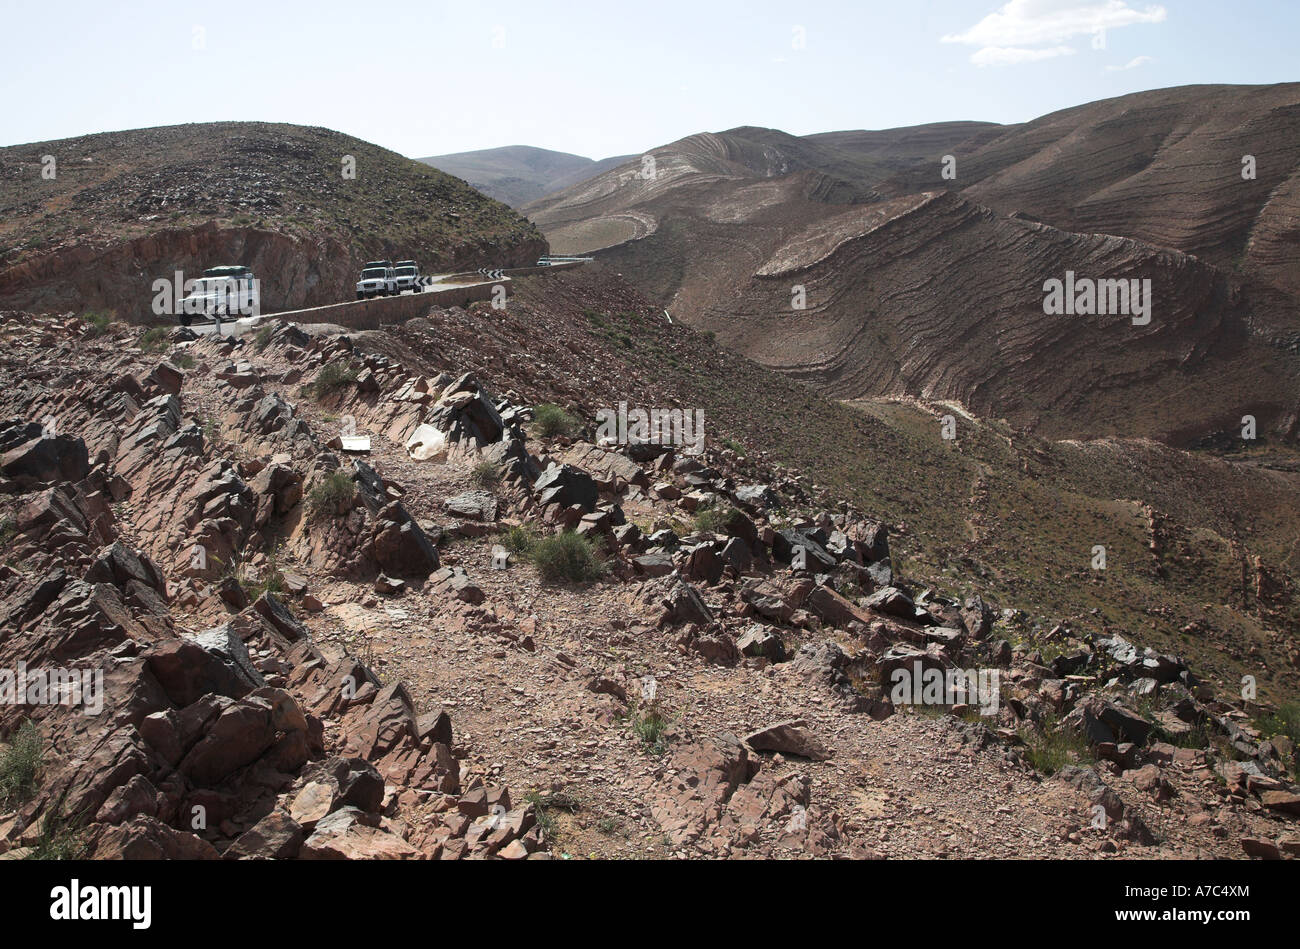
942,298
1164,167
630,201
125,208
936,297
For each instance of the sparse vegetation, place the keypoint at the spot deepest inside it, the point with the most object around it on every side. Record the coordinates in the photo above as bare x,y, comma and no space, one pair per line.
99,323
184,361
8,530
263,338
1197,737
519,540
1051,746
1285,721
61,835
545,804
332,496
332,378
713,518
650,725
551,420
567,557
269,579
485,475
154,340
20,762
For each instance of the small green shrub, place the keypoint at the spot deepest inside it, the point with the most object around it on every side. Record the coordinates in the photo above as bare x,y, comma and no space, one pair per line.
485,475
333,496
1285,721
518,540
184,361
99,323
154,340
332,378
650,725
552,420
1052,746
8,530
545,804
263,338
567,557
19,765
713,518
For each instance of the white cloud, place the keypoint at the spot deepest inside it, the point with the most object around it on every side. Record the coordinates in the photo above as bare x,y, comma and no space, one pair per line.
1133,63
1014,55
1023,31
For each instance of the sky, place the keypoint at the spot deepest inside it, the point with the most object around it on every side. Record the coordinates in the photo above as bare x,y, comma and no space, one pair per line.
615,77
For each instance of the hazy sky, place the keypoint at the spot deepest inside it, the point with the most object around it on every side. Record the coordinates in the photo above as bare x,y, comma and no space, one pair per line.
612,77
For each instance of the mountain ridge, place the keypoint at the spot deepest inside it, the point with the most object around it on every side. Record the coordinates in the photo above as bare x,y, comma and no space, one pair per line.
722,207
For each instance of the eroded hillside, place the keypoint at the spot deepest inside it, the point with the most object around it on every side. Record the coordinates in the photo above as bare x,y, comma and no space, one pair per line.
319,649
834,258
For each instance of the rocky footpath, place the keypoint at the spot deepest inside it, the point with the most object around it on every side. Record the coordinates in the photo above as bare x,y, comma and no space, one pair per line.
297,563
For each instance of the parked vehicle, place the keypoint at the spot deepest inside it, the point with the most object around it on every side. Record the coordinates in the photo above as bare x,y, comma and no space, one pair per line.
221,291
377,280
232,270
407,276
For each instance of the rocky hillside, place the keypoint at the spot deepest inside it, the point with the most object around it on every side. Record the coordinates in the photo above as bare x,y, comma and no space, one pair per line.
125,208
486,633
1163,167
751,175
978,335
909,294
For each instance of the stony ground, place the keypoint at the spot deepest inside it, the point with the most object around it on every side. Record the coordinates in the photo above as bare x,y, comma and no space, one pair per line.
770,737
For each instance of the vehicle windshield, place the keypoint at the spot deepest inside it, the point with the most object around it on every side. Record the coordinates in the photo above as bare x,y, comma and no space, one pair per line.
226,272
405,271
375,274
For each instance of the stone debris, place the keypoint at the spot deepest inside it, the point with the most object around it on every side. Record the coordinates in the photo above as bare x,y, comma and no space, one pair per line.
286,637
